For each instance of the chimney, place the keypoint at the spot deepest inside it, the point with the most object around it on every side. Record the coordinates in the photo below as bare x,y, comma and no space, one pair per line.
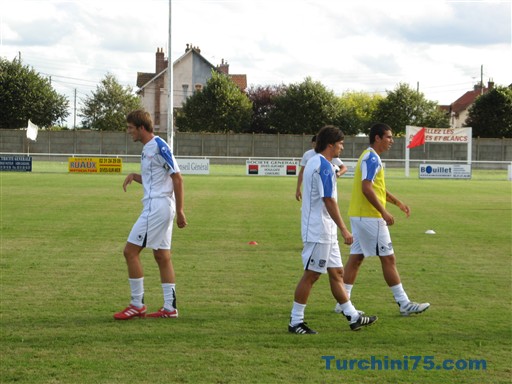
490,84
190,47
160,60
223,67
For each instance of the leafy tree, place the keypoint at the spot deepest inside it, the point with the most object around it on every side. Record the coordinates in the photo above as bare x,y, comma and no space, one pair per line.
262,98
219,107
405,106
24,94
107,107
357,110
491,114
304,108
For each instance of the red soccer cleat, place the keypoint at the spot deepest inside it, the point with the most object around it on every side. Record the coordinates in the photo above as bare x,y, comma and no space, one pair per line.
164,313
130,312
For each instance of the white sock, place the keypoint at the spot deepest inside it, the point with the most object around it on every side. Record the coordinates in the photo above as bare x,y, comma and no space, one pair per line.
297,316
169,296
350,311
399,294
348,288
137,292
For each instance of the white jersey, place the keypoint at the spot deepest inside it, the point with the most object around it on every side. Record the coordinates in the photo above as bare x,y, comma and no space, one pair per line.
157,164
306,156
319,181
309,154
337,162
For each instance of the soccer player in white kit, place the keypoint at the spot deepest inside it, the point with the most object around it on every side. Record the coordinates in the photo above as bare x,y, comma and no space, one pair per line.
320,221
339,167
163,200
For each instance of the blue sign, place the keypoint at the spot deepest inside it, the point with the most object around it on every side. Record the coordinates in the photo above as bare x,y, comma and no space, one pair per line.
16,163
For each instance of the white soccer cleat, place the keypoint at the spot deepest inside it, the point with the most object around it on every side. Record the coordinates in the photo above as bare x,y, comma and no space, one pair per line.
412,308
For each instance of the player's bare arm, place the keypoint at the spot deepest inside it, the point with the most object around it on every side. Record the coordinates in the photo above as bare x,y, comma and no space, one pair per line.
179,194
369,193
334,211
342,171
132,177
298,193
394,200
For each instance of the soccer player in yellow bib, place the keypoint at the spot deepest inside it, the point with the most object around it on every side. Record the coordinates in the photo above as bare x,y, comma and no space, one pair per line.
320,222
370,220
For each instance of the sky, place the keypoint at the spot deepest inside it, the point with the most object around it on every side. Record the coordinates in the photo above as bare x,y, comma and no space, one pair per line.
440,47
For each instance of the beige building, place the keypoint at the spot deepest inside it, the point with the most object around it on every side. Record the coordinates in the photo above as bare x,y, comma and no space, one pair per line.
191,71
459,109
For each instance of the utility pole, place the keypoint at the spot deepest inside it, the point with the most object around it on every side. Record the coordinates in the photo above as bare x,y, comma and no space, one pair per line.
170,85
481,80
74,112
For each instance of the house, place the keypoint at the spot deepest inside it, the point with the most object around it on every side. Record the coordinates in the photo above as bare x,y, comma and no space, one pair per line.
459,109
191,71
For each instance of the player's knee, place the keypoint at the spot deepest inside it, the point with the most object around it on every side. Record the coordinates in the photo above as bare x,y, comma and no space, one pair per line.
388,260
310,278
162,257
335,273
129,253
354,262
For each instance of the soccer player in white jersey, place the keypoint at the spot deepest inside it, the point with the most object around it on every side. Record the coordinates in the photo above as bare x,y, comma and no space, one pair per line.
320,220
370,220
163,200
339,167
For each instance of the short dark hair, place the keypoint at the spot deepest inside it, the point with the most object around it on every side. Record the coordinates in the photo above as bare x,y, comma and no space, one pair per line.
329,134
378,129
139,118
313,139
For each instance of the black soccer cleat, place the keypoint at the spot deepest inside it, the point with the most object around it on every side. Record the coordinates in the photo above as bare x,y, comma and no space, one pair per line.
363,321
301,329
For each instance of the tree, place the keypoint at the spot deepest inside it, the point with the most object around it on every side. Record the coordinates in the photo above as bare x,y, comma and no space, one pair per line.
219,107
24,95
304,108
405,106
107,107
357,111
262,98
491,114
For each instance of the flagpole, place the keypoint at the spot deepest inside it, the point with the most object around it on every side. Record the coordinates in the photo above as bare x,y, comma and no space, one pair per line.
407,130
170,87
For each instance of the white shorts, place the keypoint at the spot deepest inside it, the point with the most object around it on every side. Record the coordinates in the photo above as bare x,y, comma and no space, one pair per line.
318,257
153,228
371,237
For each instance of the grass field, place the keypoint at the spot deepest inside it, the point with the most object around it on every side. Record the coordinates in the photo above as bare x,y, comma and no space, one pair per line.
63,276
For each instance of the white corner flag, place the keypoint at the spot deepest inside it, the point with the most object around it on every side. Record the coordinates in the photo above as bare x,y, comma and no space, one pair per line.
32,130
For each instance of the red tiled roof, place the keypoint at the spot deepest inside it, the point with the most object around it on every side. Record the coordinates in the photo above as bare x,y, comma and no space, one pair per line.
143,78
240,81
463,102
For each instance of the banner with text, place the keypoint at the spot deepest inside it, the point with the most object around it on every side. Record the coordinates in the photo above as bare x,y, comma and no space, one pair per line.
442,135
272,167
16,163
194,166
444,171
95,165
351,168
